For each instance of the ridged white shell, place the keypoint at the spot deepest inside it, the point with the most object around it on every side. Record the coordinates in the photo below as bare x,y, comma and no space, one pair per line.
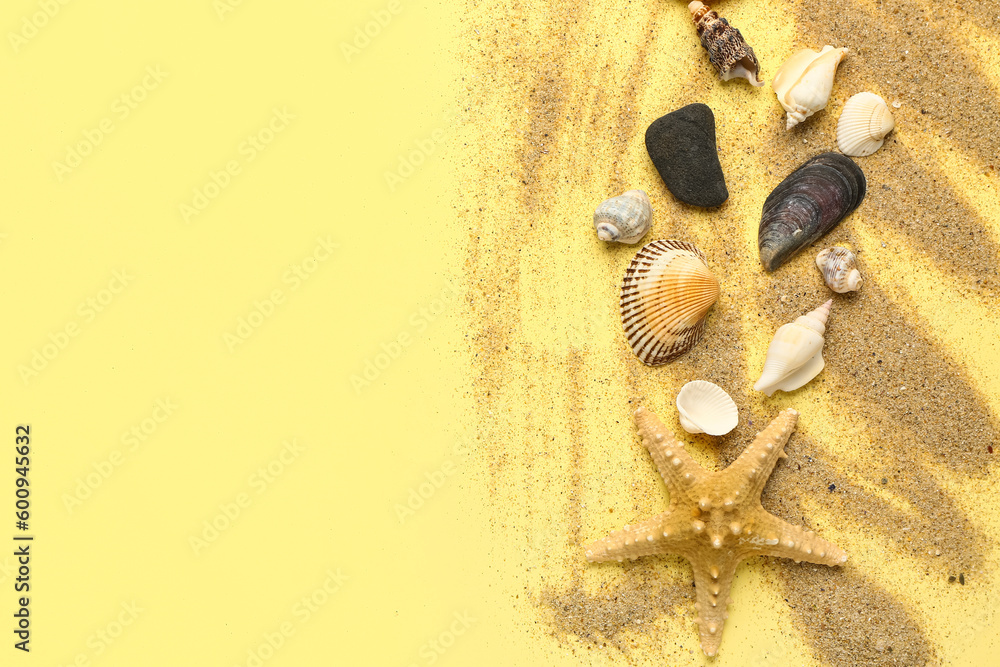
625,218
795,355
863,124
803,84
666,294
839,269
706,408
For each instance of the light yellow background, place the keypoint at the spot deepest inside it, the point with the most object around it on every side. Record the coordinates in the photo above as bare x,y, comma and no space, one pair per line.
115,524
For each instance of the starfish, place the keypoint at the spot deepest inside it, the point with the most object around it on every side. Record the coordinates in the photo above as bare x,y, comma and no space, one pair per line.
715,519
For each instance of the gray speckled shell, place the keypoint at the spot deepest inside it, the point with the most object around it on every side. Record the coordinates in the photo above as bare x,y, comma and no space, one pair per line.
625,218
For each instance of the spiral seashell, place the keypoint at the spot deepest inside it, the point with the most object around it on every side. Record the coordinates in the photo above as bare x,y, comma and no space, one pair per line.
706,408
863,124
803,84
625,218
666,294
727,49
838,266
795,355
811,201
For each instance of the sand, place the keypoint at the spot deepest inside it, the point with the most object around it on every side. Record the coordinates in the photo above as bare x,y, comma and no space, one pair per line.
893,433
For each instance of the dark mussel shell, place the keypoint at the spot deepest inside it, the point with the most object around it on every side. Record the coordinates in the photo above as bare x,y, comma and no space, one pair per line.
807,204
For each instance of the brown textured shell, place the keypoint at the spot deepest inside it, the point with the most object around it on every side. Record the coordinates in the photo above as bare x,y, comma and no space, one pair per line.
727,49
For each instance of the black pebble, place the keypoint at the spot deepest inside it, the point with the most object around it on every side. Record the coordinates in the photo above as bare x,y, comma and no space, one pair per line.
832,487
682,148
961,579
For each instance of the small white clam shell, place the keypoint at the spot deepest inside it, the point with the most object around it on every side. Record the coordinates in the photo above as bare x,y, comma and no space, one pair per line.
795,355
839,269
863,124
803,84
625,218
706,408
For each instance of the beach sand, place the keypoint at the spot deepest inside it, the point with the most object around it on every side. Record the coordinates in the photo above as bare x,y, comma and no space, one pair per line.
890,459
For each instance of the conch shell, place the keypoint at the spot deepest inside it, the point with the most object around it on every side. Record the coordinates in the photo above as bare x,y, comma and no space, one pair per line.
863,124
705,407
666,295
803,84
838,266
795,355
727,49
624,218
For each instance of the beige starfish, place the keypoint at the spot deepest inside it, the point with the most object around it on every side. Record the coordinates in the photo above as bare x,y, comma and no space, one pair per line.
715,519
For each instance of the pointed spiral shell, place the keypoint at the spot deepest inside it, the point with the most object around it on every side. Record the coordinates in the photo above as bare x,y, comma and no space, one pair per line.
795,355
839,269
803,84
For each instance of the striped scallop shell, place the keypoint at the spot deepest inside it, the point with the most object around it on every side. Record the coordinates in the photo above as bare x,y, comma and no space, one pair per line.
863,124
666,294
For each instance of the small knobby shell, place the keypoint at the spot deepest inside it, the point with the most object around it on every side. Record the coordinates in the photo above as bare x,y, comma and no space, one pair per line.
625,218
863,124
705,407
803,84
666,295
727,49
795,355
839,269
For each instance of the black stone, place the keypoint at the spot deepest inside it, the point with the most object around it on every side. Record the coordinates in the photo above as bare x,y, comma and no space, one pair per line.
682,148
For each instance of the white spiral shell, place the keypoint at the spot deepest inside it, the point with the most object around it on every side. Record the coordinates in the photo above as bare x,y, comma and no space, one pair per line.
839,269
795,355
863,124
705,407
625,218
803,84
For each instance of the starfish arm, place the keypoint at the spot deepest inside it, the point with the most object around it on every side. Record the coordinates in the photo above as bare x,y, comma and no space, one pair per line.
678,469
662,534
774,537
713,579
750,471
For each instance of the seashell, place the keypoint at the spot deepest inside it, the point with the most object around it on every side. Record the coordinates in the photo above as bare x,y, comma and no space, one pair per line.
838,266
727,49
863,124
795,355
706,408
807,204
624,218
666,294
804,82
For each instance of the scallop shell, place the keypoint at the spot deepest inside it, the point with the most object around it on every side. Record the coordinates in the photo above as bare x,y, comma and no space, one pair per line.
666,294
811,201
838,266
727,49
706,408
804,82
625,218
795,355
863,124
